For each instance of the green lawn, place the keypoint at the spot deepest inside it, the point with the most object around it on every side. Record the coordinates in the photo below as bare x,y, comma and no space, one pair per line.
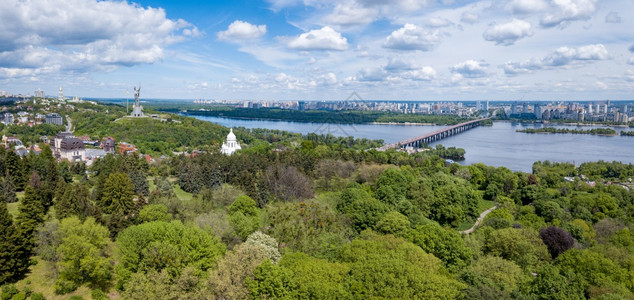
13,209
150,181
182,194
482,206
41,280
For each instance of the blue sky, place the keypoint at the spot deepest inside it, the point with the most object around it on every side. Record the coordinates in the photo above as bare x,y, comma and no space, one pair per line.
321,49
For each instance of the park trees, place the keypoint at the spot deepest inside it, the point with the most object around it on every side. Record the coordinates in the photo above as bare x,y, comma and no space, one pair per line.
118,194
287,183
244,216
556,240
446,244
521,246
82,255
74,200
301,226
9,262
386,266
227,281
165,246
447,199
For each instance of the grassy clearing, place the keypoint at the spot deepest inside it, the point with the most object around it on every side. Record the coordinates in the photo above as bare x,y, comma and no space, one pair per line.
13,209
182,194
150,181
41,280
482,206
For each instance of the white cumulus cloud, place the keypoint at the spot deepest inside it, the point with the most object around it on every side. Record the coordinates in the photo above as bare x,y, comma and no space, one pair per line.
411,37
351,14
568,10
424,74
470,69
325,38
240,30
527,6
507,34
563,56
40,36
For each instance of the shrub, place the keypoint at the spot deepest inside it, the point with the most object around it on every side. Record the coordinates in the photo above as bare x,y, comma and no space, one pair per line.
64,286
98,295
556,240
8,291
37,296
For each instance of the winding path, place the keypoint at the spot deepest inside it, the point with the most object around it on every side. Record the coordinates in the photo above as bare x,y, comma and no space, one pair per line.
479,220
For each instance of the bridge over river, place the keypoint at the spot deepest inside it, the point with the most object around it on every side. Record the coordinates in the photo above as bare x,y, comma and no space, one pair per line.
434,136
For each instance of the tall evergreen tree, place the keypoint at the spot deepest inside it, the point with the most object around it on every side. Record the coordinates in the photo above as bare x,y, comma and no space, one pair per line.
30,216
8,190
118,194
8,263
3,157
141,186
15,170
73,200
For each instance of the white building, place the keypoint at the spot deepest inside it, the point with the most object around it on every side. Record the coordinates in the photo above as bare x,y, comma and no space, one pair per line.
231,145
67,146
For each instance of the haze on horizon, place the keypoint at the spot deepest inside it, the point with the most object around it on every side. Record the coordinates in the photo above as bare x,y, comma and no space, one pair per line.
321,50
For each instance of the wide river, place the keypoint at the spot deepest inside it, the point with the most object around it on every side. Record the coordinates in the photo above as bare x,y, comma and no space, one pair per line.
497,145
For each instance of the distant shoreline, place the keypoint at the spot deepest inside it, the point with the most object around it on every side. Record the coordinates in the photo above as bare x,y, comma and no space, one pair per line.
405,123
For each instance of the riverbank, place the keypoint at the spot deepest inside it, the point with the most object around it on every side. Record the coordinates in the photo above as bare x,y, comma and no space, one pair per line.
405,123
595,131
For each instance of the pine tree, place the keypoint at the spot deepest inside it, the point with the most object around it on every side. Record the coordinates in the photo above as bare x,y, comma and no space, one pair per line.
7,244
3,157
141,186
8,190
73,200
118,194
14,169
30,216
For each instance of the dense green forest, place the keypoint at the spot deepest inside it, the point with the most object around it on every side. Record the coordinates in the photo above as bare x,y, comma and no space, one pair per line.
326,116
317,220
309,217
594,131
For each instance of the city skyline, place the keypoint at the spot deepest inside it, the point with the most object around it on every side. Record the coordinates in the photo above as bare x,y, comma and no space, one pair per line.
321,50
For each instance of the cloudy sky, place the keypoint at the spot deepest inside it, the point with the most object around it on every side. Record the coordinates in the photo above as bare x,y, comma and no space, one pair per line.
321,49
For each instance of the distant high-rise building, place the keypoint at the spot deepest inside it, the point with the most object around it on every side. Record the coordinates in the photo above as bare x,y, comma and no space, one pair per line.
38,93
538,112
54,119
60,95
589,108
514,109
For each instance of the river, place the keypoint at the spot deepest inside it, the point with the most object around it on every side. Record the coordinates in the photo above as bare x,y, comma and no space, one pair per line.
497,145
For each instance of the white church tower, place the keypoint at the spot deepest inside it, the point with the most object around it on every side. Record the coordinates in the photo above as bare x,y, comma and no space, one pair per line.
231,145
